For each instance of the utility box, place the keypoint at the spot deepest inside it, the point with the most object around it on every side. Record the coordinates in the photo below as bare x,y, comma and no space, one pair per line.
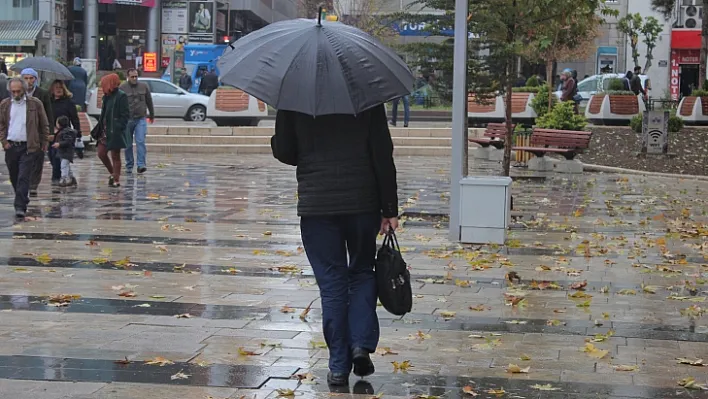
486,209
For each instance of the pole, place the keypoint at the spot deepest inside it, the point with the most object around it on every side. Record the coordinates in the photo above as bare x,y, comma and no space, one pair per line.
458,168
153,31
91,30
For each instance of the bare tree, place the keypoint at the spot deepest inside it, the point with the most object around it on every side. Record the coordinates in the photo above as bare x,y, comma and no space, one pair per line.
308,8
367,15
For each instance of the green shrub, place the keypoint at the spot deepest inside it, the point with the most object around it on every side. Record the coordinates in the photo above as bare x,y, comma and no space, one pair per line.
619,93
699,93
540,101
562,117
533,81
525,89
615,84
675,124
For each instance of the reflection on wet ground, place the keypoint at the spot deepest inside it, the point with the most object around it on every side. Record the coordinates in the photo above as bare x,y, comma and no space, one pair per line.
190,282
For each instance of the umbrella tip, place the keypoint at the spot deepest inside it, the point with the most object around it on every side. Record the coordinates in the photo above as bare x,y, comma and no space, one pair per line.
319,16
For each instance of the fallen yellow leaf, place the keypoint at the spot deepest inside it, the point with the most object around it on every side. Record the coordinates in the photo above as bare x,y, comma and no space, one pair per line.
515,369
592,351
242,352
159,360
626,367
402,366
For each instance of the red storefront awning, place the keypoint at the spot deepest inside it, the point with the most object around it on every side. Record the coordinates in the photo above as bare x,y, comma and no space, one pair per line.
689,39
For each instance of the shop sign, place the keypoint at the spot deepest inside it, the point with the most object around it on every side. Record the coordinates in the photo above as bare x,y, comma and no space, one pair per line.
17,42
144,3
150,62
674,75
174,17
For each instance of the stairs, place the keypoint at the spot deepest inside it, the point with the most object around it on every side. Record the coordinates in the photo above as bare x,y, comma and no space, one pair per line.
256,140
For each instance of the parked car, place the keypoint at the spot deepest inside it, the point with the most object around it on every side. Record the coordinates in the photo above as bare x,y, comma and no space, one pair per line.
593,84
169,100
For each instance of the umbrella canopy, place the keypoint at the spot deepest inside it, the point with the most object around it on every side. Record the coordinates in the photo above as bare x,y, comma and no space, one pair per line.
317,69
51,69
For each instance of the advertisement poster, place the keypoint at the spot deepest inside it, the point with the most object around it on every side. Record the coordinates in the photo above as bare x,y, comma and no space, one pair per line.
174,17
144,3
200,17
170,43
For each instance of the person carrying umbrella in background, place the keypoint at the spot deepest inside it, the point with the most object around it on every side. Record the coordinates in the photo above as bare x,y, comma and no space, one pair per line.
32,78
77,86
329,82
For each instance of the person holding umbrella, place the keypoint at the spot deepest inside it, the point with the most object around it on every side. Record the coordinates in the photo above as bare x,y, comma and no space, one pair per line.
32,78
329,82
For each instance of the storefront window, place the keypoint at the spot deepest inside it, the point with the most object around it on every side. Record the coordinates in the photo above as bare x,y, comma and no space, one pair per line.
19,10
13,58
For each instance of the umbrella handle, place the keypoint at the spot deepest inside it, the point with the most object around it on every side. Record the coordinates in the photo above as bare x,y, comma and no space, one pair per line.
319,16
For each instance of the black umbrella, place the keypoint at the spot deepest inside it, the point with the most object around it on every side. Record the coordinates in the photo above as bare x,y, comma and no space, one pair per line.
51,69
314,67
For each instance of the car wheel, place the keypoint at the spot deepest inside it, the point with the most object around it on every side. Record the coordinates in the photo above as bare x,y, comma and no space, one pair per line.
196,113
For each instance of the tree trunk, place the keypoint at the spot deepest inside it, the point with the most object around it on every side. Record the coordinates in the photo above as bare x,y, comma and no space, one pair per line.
549,82
704,48
510,37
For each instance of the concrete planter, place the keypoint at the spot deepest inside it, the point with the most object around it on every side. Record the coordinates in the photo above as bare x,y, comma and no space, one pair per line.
693,110
233,107
604,109
494,111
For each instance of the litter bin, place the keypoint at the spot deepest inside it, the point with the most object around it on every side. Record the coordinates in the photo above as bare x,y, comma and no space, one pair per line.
486,209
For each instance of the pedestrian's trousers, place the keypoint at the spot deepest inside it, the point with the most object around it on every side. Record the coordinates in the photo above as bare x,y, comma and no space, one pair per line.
137,129
20,166
347,284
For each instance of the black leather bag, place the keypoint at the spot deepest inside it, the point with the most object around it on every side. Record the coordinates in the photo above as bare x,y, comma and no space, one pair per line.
97,131
393,280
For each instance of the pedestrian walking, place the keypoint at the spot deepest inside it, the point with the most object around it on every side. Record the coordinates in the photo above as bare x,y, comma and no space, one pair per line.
62,105
3,66
64,140
24,134
77,86
113,131
185,81
209,83
4,93
627,81
346,196
406,110
140,104
32,78
570,89
636,84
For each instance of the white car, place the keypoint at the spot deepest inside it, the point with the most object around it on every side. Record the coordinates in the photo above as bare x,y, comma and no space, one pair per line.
169,100
593,84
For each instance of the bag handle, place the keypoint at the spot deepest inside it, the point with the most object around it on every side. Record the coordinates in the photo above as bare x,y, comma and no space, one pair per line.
391,240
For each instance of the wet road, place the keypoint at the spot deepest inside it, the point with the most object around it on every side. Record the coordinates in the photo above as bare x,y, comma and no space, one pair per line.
190,282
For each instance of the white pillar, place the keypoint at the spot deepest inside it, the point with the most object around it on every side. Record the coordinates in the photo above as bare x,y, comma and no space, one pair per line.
90,30
458,168
153,30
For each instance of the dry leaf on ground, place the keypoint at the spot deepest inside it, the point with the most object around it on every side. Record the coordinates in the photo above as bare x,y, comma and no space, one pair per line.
318,344
287,309
447,315
626,367
159,360
285,392
383,351
243,352
123,361
497,392
478,308
305,378
690,383
419,336
43,259
180,376
183,316
515,369
690,362
469,391
402,366
546,387
306,311
592,351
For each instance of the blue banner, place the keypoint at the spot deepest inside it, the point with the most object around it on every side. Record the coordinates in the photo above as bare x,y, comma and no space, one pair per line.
420,29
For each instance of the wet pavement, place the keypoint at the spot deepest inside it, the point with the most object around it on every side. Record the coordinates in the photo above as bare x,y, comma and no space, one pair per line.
189,282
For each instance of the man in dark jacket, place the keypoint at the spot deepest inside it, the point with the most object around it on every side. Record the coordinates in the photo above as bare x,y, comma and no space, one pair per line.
24,134
3,66
32,78
209,82
636,83
77,86
185,81
346,195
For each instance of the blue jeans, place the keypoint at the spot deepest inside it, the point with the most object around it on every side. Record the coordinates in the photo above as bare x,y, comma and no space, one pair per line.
406,110
347,286
137,128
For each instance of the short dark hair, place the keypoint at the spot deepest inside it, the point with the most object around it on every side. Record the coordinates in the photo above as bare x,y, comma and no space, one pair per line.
637,69
133,70
63,121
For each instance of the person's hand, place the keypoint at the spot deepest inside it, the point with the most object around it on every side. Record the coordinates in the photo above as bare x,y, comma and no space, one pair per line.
55,145
388,224
7,146
44,147
151,120
51,137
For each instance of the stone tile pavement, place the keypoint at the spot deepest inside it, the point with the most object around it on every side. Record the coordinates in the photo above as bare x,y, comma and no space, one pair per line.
197,266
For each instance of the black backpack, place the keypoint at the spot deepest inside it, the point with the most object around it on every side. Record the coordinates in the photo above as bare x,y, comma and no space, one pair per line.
393,280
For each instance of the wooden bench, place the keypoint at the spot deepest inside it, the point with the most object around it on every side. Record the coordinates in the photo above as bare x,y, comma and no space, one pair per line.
493,136
568,143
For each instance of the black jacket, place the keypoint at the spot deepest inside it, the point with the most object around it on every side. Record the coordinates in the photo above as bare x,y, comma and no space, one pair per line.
344,162
636,84
66,139
209,82
66,107
43,96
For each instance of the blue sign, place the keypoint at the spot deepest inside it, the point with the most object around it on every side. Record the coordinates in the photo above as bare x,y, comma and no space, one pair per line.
420,29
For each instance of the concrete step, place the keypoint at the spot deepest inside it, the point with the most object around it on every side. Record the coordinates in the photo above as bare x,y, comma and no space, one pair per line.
172,148
269,131
265,140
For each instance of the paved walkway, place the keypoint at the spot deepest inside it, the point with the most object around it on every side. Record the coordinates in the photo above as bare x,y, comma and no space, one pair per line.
192,282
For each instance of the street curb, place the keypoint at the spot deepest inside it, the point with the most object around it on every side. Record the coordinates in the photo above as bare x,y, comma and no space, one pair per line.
612,169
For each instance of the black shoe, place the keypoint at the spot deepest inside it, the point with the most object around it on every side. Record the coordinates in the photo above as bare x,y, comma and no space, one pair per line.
111,180
55,182
337,379
80,154
363,387
73,182
393,123
19,214
114,184
142,170
33,192
405,125
362,362
129,171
